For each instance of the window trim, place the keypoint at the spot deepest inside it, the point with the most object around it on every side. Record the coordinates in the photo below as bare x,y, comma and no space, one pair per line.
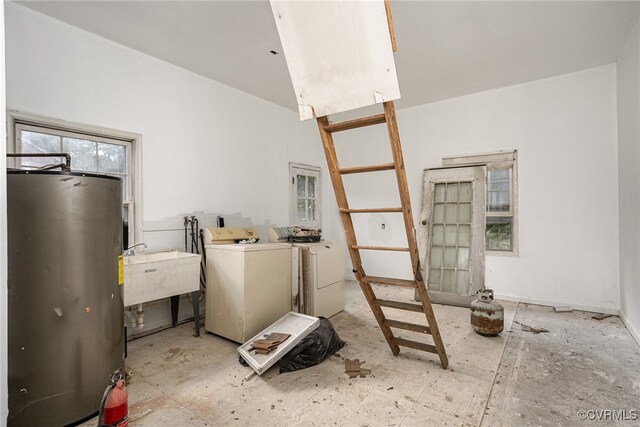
497,160
293,197
66,133
19,119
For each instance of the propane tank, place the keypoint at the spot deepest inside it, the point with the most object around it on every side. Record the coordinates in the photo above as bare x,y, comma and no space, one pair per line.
114,409
487,316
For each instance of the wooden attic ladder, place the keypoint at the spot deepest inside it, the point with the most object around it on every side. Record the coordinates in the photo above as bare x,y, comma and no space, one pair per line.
386,325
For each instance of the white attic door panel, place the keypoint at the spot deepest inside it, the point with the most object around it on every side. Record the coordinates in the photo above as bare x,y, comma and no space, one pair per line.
339,54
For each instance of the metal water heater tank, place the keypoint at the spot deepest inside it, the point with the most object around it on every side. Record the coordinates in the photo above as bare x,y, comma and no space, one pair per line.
66,331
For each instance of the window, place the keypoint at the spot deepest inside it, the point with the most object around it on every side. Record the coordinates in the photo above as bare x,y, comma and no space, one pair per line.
501,229
92,150
305,195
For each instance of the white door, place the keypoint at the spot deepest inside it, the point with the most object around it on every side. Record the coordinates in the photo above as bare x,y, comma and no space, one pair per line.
451,236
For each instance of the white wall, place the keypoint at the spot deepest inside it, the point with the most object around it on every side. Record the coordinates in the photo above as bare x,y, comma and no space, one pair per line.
207,148
210,149
564,129
629,180
3,241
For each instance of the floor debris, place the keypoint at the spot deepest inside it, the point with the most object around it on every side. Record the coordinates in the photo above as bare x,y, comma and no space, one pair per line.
563,309
601,316
528,382
249,376
531,329
268,343
353,368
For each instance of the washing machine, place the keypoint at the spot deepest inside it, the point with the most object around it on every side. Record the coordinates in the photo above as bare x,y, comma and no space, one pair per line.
248,284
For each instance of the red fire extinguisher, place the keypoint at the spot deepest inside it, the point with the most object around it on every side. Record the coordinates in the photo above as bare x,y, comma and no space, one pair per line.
114,409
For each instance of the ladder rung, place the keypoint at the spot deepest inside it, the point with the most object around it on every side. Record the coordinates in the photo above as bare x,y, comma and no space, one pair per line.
356,123
390,281
399,305
371,210
379,248
407,326
417,345
372,168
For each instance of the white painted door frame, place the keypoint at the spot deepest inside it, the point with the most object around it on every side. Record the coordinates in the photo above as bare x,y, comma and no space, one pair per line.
477,176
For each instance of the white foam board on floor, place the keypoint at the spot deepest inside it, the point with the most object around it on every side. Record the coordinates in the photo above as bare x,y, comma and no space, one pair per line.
296,324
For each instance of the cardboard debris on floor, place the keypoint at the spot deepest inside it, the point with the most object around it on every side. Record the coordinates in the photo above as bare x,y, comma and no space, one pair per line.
269,343
354,368
531,329
601,316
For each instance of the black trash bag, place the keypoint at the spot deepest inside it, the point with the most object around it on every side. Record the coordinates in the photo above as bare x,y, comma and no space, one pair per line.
242,361
316,347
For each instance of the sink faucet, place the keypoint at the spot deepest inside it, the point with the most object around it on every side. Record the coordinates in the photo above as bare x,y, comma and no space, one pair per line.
131,249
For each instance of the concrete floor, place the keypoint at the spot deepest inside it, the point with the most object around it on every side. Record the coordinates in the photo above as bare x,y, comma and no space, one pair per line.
543,379
581,364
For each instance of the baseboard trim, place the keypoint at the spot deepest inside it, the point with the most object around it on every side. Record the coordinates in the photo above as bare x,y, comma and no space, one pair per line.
549,303
595,309
590,308
630,328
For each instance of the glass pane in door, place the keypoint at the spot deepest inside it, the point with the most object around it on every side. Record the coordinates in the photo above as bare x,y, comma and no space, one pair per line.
448,281
450,238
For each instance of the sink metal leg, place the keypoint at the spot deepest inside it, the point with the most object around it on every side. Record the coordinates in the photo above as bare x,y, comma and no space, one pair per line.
175,304
195,300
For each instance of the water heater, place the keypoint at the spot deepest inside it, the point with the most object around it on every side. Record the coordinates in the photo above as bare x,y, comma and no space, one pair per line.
66,332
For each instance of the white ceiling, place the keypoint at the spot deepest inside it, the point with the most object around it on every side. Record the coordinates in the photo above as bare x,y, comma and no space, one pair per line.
445,49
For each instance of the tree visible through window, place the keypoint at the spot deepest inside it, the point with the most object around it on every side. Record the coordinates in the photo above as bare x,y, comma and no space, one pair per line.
501,202
86,155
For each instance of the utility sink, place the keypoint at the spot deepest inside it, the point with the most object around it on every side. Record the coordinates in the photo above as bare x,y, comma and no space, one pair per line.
149,276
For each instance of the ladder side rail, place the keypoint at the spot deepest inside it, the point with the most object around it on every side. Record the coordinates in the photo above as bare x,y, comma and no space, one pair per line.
341,199
403,187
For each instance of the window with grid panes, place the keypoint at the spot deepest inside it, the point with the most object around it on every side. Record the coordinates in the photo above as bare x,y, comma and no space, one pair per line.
501,229
90,152
305,181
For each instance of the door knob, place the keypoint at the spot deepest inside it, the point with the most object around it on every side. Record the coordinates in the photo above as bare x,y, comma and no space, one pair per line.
424,222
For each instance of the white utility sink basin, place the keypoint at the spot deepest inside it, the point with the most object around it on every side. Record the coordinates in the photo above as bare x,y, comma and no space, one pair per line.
149,276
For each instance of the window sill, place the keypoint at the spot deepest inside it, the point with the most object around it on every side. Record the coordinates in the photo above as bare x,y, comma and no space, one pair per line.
512,254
